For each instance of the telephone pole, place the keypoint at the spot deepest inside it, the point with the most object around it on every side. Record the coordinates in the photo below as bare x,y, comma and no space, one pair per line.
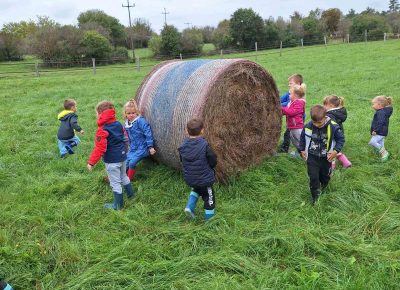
129,6
188,24
165,16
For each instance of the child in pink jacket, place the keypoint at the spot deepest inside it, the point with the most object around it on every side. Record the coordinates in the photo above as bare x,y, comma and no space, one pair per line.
294,113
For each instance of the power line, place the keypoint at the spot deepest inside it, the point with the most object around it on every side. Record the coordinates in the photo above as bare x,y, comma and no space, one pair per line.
129,6
165,16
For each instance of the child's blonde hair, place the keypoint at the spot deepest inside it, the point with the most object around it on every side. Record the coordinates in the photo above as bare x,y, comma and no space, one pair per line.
298,78
104,105
334,101
299,90
383,100
131,104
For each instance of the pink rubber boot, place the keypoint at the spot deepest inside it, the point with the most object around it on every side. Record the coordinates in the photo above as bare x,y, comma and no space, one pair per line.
343,159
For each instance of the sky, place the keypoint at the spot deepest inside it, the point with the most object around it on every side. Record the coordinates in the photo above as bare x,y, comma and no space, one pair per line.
181,14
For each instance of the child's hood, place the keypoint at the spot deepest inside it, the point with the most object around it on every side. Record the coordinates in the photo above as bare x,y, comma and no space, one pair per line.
106,117
193,148
339,114
388,110
62,115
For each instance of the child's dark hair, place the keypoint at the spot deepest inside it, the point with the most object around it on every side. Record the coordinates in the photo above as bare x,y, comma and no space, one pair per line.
194,127
68,104
104,105
317,113
298,78
334,100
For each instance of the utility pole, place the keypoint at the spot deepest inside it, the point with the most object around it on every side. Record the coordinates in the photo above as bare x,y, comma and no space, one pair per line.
165,16
188,24
130,23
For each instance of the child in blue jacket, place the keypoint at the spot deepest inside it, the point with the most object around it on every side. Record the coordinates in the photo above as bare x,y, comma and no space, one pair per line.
198,163
141,142
296,79
380,124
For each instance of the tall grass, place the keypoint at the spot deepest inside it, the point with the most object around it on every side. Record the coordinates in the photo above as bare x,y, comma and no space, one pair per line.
54,233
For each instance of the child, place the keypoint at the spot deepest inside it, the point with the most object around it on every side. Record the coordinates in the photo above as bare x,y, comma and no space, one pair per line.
198,163
380,124
110,144
141,142
335,110
4,285
69,122
296,79
294,113
321,140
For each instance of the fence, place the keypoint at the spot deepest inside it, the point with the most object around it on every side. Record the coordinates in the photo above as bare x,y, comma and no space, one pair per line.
36,68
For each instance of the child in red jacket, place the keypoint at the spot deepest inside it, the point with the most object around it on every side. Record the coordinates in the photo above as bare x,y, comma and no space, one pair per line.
111,143
294,112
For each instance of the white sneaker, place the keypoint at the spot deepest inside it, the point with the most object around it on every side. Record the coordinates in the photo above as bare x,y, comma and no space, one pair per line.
189,213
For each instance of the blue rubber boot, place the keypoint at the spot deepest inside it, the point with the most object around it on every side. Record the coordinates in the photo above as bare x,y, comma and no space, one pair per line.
4,285
129,190
191,204
209,213
69,147
118,202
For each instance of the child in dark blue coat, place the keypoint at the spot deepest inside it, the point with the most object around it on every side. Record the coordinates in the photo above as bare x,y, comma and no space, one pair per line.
380,124
141,142
198,163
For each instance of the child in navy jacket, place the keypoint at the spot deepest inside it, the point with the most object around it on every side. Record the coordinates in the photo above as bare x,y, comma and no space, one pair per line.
320,142
110,143
141,142
198,163
380,124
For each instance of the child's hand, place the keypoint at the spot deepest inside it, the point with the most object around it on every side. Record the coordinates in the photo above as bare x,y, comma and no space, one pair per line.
332,155
304,155
373,133
152,151
90,167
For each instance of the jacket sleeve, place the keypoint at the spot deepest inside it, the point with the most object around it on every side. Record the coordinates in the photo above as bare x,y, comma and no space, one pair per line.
100,146
339,139
302,145
294,109
285,99
379,121
211,157
74,123
147,132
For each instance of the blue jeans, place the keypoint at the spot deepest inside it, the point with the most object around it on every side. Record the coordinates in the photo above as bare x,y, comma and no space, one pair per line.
133,159
62,143
377,141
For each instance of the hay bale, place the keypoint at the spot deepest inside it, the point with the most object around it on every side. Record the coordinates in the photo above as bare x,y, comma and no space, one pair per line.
237,99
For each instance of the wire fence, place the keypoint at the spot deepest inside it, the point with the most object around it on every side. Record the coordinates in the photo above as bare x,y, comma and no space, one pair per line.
38,69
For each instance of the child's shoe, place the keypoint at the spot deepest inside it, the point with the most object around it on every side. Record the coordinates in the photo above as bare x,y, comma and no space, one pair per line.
208,213
191,204
62,156
385,156
131,173
295,154
129,191
4,285
333,166
118,202
343,159
69,149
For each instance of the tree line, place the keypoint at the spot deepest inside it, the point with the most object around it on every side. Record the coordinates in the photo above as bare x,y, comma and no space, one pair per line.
102,36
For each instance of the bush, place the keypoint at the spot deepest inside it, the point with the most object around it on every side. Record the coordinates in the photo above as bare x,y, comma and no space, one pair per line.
95,45
155,44
120,52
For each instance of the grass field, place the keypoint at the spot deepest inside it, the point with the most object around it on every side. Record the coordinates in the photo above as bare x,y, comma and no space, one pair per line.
54,233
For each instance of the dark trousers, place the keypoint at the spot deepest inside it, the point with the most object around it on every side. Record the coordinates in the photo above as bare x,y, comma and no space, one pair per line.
286,141
207,194
319,172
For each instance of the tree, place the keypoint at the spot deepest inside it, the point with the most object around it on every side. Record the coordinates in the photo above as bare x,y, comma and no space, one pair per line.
393,19
246,28
10,46
271,32
221,36
192,40
375,25
207,32
170,41
394,5
95,45
141,32
116,30
155,44
331,18
351,14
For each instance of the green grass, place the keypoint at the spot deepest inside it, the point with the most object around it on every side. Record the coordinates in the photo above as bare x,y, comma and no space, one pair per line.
143,53
208,47
54,233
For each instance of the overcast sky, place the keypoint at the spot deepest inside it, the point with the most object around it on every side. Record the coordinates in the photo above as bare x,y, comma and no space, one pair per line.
198,13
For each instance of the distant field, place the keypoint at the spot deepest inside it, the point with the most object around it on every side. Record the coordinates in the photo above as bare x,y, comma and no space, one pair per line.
54,233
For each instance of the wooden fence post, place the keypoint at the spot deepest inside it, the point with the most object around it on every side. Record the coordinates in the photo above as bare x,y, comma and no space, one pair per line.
138,63
37,69
280,50
94,65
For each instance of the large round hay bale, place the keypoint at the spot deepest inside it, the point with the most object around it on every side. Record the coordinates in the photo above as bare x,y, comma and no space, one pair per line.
237,99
